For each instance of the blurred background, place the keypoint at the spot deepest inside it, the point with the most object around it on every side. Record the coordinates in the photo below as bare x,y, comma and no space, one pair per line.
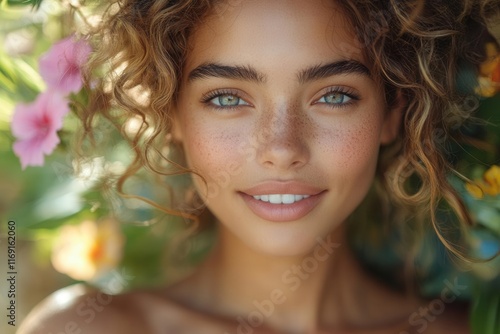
71,226
66,231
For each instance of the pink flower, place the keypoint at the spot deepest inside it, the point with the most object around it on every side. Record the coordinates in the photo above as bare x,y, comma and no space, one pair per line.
35,126
61,66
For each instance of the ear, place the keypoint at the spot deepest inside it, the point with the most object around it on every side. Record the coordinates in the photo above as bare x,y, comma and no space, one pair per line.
392,121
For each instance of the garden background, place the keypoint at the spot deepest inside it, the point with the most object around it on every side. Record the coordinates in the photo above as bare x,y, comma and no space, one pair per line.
71,226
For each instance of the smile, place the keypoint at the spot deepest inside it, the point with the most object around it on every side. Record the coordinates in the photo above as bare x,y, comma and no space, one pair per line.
280,198
282,208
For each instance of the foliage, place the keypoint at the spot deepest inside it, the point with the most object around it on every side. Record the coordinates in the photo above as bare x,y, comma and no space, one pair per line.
42,200
45,199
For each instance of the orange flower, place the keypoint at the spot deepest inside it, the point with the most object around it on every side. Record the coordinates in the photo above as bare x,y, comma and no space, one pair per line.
489,72
88,250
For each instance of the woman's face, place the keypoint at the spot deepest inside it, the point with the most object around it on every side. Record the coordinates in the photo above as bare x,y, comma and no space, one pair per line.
281,116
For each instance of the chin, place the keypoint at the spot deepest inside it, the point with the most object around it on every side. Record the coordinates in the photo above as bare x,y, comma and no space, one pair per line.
291,239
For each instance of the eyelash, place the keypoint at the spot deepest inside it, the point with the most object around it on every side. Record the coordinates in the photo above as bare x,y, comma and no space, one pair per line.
339,90
208,97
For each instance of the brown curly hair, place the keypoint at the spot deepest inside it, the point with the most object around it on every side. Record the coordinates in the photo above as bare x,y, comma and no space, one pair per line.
418,47
414,47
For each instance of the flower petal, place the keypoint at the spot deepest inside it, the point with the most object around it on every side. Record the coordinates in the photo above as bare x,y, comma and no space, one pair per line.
88,250
474,190
35,126
56,107
49,143
23,123
29,119
61,66
29,152
492,175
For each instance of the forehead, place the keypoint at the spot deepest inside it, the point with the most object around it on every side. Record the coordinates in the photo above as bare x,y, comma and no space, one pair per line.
260,31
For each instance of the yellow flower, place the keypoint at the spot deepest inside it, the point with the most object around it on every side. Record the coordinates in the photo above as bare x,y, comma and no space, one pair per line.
492,180
489,185
88,250
475,190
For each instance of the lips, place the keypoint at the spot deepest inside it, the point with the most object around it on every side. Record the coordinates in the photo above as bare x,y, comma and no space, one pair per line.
272,200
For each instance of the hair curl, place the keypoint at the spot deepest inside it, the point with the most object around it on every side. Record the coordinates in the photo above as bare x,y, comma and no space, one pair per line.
418,48
414,47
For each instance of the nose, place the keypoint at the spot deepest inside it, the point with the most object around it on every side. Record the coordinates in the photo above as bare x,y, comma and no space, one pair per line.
282,138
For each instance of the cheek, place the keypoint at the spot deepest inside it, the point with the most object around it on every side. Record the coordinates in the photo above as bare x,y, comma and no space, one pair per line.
213,154
353,151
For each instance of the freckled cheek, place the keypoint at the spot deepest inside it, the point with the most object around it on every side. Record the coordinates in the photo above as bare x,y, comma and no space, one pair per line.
212,152
353,151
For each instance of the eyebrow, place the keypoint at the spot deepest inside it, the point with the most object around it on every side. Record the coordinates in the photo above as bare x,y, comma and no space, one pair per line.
248,73
245,73
331,69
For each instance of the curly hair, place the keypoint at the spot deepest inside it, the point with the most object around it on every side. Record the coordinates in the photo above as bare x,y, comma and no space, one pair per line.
414,47
418,48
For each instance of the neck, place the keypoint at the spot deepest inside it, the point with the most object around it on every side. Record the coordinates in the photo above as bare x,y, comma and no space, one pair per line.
325,288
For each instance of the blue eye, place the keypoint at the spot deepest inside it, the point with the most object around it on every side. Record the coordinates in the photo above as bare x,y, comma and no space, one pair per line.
224,99
227,100
335,98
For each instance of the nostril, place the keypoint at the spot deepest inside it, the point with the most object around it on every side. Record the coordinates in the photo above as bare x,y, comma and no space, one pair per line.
280,155
297,163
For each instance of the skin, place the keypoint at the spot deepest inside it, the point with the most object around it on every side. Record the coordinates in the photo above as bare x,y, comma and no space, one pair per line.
281,129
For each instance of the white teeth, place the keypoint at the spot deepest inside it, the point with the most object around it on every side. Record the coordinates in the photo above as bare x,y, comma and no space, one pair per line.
275,199
299,197
280,199
289,199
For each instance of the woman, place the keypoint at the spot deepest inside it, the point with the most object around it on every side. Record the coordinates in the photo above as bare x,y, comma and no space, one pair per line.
285,112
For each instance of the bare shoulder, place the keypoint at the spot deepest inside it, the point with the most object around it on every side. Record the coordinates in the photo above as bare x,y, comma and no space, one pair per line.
79,309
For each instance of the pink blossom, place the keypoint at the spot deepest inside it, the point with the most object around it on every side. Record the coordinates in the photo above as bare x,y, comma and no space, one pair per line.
35,126
61,66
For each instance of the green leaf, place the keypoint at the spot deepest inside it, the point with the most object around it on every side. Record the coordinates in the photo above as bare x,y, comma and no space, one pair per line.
18,79
8,75
485,314
488,216
33,3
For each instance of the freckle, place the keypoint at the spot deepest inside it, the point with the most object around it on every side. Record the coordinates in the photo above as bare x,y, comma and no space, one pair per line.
349,152
365,136
222,143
